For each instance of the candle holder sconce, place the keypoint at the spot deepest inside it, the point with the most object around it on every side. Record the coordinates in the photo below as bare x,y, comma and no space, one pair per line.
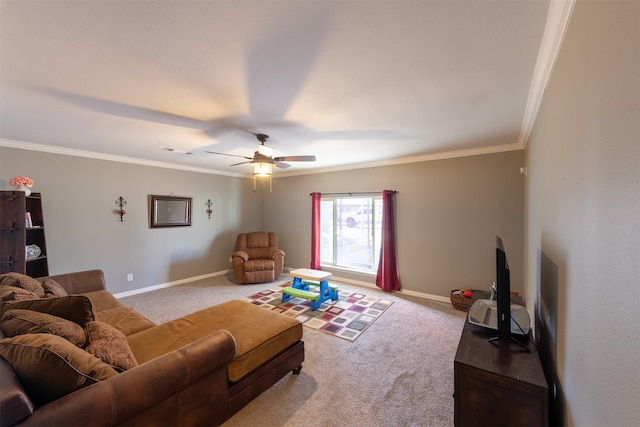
209,210
120,202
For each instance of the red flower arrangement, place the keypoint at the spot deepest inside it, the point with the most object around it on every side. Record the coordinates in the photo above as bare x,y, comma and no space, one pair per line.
17,181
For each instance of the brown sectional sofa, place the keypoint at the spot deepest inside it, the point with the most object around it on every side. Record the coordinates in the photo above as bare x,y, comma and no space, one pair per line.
196,370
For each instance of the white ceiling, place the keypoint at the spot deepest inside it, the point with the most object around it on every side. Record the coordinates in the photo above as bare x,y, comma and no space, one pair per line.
352,82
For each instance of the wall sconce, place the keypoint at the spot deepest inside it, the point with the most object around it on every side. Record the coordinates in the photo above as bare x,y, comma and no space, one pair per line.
120,202
209,210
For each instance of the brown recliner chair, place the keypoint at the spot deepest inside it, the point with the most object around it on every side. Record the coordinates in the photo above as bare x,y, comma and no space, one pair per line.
257,258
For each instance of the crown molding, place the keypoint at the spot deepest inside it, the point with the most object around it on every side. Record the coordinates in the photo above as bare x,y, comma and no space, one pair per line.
132,160
109,157
554,32
412,159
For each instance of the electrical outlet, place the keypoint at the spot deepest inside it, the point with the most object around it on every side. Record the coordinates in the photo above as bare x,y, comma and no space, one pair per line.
129,277
230,259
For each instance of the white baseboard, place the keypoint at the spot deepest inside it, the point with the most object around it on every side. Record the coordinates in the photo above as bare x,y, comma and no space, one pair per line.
169,284
402,292
221,273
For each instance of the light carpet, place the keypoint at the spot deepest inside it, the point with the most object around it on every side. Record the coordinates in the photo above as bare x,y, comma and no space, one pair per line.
347,317
399,373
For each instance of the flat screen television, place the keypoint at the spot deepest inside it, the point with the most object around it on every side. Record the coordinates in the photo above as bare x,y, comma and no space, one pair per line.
503,292
503,296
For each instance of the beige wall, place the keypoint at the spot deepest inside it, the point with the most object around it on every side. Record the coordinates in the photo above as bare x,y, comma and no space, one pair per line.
448,214
583,210
83,232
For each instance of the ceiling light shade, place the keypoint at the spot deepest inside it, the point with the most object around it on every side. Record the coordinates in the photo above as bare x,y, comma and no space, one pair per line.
265,150
262,169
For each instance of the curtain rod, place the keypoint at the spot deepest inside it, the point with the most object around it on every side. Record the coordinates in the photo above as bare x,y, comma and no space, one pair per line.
352,193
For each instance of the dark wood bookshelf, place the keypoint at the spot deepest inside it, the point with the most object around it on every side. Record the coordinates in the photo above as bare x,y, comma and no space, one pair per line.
17,233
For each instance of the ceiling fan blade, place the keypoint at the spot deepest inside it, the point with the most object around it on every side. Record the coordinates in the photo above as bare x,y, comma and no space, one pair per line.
273,79
212,128
126,110
232,155
241,163
295,159
281,165
358,135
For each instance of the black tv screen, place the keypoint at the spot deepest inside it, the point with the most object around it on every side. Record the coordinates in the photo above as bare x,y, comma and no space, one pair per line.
503,290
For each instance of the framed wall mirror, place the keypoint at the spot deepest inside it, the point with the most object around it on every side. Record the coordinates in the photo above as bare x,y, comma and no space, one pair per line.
169,211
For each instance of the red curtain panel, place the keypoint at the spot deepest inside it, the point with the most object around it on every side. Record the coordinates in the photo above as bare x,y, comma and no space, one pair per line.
387,277
315,231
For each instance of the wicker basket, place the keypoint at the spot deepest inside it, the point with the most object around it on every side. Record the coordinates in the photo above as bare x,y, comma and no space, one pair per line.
459,301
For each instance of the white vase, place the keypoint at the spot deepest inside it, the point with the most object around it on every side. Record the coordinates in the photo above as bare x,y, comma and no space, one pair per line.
24,188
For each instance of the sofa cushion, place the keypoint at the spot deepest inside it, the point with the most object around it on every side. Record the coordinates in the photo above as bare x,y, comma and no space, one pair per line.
49,367
109,309
260,334
76,308
125,319
19,322
53,288
13,293
22,281
110,345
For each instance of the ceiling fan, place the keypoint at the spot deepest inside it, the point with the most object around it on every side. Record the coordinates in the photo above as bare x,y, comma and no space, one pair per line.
263,160
271,90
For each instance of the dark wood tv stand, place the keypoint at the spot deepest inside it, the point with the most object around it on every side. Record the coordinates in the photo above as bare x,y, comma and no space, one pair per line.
498,383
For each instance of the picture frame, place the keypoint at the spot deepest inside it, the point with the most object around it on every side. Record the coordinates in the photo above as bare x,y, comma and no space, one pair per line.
169,211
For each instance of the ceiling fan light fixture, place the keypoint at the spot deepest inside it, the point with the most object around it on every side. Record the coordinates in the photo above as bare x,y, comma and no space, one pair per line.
262,169
265,150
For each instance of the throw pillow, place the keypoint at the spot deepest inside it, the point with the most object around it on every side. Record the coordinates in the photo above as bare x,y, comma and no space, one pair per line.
110,345
53,288
13,293
19,322
76,308
49,367
23,281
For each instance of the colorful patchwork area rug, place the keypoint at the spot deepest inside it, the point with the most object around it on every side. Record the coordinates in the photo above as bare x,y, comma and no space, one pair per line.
347,318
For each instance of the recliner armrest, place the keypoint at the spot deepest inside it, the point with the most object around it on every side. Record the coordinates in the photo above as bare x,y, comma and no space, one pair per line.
241,254
276,252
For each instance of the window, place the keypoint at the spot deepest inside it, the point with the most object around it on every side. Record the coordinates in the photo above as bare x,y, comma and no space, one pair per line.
351,232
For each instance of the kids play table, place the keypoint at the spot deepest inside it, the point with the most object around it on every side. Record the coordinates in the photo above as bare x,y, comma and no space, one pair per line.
305,277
